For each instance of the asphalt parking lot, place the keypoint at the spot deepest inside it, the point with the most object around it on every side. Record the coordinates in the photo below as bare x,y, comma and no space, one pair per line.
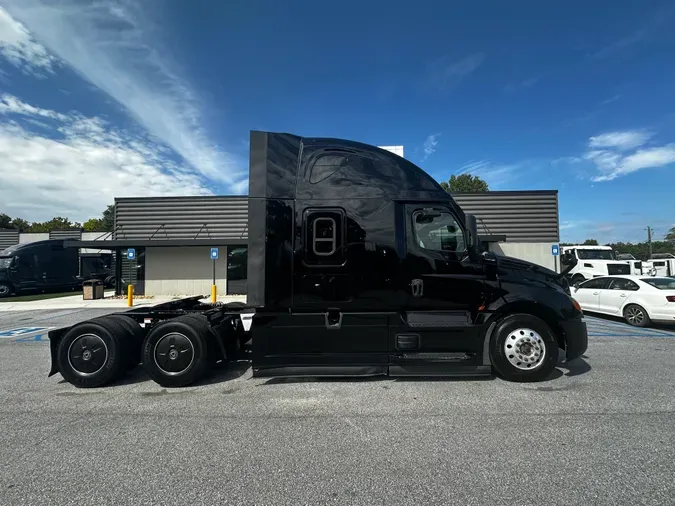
599,432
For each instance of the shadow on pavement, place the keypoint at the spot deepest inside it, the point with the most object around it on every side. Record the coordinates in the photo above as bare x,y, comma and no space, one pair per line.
577,367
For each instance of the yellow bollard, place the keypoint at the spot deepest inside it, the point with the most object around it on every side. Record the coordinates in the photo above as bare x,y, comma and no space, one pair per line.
130,295
214,291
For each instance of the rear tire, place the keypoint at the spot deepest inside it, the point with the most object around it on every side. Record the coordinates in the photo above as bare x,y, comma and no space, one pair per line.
91,354
523,348
636,315
175,353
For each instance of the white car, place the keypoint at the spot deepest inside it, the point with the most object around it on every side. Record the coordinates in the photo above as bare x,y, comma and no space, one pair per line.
638,299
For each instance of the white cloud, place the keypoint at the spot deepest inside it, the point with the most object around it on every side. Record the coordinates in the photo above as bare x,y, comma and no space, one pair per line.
10,104
568,225
77,175
17,45
430,145
119,50
496,176
648,158
621,141
446,72
611,154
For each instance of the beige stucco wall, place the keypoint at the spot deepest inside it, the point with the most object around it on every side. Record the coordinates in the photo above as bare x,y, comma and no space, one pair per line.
538,253
183,271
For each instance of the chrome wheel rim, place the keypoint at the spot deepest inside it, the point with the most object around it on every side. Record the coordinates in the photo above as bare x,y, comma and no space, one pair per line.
174,353
635,315
87,354
525,349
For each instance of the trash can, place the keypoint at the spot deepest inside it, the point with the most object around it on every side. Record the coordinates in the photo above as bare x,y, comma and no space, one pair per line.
92,289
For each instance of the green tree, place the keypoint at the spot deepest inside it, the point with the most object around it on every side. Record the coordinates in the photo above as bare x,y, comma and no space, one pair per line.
21,224
465,183
670,236
108,219
590,242
53,224
5,221
94,225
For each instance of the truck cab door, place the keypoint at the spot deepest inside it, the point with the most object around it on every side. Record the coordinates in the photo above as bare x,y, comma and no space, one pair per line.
445,288
330,329
27,272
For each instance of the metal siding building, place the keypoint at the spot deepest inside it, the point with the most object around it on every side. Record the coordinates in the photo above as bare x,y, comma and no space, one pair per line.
521,216
173,236
66,233
181,218
8,237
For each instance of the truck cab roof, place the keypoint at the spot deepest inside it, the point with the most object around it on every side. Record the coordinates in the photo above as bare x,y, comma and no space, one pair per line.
289,166
16,248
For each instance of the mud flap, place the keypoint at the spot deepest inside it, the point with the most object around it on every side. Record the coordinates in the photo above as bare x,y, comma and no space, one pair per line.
54,340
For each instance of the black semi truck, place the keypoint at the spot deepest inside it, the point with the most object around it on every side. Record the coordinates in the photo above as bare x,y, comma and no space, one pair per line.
38,267
44,266
359,264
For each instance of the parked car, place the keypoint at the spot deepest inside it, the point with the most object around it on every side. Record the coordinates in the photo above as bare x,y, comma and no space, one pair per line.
640,300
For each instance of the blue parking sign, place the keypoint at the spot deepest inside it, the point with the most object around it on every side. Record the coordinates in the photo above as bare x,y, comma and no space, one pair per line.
214,253
131,253
555,250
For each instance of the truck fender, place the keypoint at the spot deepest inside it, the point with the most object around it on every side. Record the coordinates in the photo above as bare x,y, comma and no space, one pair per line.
505,307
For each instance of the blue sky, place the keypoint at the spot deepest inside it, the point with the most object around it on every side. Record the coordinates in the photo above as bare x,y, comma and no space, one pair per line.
102,99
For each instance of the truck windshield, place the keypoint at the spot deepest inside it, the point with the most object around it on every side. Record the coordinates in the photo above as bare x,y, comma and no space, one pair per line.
4,262
595,254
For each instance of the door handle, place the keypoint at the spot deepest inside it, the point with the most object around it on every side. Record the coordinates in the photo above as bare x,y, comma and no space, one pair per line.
622,295
596,293
417,286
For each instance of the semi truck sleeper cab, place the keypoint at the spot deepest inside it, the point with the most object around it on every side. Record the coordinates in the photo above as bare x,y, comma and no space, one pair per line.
359,264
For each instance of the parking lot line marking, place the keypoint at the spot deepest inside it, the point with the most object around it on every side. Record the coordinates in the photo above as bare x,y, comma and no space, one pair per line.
8,334
26,334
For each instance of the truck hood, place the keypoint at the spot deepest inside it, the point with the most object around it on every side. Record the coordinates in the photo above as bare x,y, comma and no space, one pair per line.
516,264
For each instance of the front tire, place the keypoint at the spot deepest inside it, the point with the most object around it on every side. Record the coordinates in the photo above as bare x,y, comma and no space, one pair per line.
5,290
523,348
636,315
175,352
578,279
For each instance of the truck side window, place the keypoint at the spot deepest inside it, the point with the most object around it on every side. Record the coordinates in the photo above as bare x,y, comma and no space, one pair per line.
438,231
324,237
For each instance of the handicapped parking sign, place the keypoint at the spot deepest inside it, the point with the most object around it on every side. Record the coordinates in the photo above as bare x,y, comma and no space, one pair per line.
131,253
555,250
214,253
